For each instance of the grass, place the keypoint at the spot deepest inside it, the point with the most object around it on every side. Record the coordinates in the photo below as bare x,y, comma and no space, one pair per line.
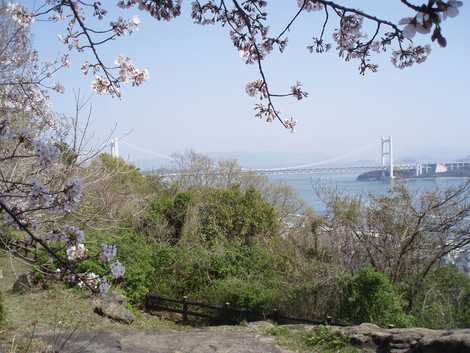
60,306
318,340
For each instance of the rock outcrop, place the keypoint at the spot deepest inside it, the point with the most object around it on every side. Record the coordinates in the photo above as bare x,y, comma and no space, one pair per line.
209,340
114,306
411,340
25,283
254,339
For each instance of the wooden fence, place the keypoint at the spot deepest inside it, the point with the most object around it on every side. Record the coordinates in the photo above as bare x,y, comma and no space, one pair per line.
226,313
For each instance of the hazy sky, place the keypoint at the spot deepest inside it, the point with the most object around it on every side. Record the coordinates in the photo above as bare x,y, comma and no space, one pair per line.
195,97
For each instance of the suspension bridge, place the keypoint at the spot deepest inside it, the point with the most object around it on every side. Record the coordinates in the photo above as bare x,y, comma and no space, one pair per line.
386,168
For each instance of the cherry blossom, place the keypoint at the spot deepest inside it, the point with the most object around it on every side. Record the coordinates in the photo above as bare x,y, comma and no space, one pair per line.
76,252
20,14
451,9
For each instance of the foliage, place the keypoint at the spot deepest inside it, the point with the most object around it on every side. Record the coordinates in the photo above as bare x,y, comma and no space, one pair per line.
171,211
246,277
321,339
199,171
444,301
135,253
221,214
326,339
246,294
237,215
117,195
370,296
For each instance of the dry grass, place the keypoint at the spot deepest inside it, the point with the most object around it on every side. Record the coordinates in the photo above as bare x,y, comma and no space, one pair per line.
60,306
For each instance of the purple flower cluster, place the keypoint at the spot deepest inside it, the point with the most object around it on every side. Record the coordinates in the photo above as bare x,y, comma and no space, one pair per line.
117,270
108,252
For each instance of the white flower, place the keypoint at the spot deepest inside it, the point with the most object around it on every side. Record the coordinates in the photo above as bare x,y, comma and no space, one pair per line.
310,5
409,31
452,9
20,15
58,87
66,61
134,23
101,85
290,124
243,53
76,252
420,24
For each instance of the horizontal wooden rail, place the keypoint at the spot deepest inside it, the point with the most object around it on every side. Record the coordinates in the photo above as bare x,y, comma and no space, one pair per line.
228,313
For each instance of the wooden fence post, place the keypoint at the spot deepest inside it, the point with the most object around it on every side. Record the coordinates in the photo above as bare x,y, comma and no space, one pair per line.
185,308
275,316
228,316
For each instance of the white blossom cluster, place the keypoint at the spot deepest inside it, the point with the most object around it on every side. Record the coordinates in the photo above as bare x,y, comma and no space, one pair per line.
423,22
310,5
39,184
122,27
46,153
20,15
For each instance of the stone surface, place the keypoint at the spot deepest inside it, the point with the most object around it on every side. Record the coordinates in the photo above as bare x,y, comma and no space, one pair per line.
114,306
412,340
24,283
252,339
194,341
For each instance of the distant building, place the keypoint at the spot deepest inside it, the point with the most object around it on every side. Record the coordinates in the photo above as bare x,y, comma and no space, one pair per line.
441,168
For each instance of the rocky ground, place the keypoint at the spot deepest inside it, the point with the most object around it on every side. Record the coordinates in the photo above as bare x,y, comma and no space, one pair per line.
255,339
412,340
209,340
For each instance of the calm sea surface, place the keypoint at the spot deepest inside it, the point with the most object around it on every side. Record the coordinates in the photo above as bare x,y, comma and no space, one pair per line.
305,186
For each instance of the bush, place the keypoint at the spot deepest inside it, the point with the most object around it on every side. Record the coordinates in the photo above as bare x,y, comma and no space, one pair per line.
135,253
444,300
220,214
171,212
247,277
240,293
370,296
326,339
236,215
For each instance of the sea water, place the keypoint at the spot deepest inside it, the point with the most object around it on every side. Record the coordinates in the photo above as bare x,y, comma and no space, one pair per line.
307,186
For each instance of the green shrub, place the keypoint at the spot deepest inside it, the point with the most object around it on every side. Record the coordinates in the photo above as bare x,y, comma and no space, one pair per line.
236,215
319,340
246,277
241,293
227,214
135,252
444,300
371,297
325,339
172,212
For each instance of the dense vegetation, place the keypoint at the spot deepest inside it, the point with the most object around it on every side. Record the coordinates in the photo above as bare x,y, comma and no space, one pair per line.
220,242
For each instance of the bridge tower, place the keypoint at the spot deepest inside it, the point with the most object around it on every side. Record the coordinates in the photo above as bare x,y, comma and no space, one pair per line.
114,148
387,153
